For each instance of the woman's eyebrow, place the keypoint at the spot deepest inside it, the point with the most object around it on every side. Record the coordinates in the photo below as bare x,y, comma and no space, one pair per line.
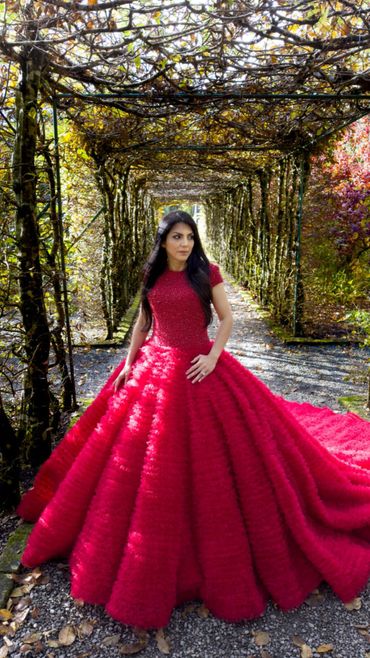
179,233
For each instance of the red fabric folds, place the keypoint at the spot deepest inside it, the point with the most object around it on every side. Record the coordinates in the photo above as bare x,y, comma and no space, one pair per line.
168,491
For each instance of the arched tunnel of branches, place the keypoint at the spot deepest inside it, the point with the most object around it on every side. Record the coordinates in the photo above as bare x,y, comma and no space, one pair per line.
111,111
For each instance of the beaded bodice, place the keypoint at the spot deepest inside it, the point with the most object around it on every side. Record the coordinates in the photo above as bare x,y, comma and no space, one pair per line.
178,316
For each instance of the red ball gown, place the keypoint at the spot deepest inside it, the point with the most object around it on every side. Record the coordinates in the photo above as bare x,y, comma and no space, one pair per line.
167,491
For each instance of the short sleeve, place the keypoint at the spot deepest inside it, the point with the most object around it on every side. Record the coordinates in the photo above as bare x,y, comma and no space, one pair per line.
215,276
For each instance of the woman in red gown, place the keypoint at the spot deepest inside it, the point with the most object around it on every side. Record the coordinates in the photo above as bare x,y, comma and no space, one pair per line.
187,478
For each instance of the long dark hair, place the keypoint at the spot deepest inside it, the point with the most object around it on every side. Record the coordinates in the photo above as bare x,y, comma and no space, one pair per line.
197,267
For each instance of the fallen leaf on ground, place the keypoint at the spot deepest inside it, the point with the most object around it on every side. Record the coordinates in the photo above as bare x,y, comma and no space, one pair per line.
66,635
4,651
19,616
22,604
324,648
140,632
20,578
38,646
261,638
26,648
23,589
298,641
265,654
85,628
202,611
355,604
53,644
5,614
363,631
27,577
31,638
364,634
315,598
128,649
188,609
111,640
162,642
306,651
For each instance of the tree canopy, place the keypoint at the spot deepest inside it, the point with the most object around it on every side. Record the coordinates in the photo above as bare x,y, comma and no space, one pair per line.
202,93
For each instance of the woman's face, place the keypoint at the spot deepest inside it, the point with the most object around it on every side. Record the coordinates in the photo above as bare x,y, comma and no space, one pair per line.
179,243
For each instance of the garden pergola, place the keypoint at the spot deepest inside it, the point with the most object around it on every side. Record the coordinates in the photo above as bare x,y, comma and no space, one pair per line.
196,101
206,184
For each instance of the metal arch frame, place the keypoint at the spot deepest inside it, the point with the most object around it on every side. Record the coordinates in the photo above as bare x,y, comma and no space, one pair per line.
182,95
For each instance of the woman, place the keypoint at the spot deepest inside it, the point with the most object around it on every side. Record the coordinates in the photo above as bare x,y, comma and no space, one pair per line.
178,248
187,478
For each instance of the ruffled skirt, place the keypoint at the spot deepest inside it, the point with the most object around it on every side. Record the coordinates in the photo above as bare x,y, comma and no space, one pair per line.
167,491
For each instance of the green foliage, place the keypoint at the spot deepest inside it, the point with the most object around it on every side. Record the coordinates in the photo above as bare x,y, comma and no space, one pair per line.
361,319
327,283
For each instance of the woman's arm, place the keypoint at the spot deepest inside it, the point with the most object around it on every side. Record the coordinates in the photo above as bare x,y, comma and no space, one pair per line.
203,364
137,338
223,310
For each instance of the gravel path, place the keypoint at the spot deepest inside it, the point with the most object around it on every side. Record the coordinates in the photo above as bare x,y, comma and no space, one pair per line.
322,626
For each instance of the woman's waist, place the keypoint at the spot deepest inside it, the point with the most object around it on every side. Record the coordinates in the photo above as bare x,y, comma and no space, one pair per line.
180,343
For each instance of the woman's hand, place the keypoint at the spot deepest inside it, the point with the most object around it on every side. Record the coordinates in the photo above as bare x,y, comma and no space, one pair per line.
203,366
122,376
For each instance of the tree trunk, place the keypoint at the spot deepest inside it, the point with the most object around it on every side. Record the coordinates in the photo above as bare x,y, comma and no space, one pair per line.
57,331
279,238
37,337
105,282
303,163
128,233
264,222
257,240
9,464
